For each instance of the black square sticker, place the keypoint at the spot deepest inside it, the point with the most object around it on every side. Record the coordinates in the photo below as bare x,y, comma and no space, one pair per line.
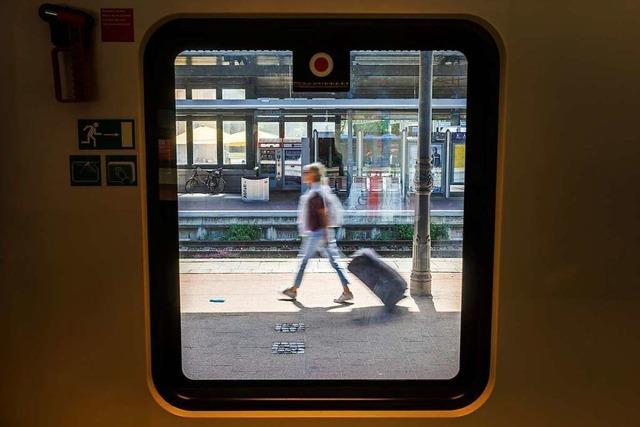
121,171
84,170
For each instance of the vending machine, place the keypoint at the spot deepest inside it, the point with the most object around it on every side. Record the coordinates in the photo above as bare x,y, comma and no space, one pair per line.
281,161
292,165
270,162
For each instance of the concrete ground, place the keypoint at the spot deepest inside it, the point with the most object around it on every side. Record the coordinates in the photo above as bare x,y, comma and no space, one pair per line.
230,309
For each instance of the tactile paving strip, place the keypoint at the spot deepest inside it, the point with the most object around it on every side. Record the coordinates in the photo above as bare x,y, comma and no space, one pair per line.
294,347
289,327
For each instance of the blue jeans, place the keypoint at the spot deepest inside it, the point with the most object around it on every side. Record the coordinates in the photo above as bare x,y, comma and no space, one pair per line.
315,242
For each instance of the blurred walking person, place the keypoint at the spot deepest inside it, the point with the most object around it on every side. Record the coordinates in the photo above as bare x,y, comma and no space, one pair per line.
319,213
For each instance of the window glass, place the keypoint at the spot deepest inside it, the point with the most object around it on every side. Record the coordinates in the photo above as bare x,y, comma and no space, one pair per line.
203,94
181,94
181,142
382,139
295,130
204,60
268,131
234,142
235,60
234,316
268,60
324,127
205,139
233,94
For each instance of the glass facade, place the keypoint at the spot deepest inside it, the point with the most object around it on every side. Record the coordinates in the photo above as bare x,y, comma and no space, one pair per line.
372,145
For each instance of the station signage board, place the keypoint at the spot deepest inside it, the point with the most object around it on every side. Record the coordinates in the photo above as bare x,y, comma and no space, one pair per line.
326,70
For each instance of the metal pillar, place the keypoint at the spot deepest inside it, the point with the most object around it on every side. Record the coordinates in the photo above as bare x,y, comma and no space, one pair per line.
359,153
447,166
403,163
350,161
315,145
421,271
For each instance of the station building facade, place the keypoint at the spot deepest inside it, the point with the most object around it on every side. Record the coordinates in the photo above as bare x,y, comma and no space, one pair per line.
236,110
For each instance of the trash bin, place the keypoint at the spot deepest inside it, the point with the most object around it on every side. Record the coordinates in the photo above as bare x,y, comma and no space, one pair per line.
255,189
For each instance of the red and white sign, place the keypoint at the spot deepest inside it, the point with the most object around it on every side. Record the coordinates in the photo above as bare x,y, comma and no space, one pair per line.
318,69
321,64
116,25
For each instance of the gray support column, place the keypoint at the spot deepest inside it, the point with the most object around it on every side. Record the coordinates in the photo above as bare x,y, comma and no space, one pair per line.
403,163
446,165
421,271
350,146
315,145
359,154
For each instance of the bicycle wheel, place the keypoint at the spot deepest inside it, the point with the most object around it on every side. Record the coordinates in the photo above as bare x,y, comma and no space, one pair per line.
190,185
216,185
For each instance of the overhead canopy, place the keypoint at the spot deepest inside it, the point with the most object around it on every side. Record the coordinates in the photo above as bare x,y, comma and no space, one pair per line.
313,104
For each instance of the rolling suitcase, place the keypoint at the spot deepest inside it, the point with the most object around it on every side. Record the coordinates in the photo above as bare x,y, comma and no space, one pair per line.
386,283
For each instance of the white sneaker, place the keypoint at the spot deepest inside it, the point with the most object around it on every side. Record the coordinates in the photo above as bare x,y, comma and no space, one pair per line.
346,296
290,293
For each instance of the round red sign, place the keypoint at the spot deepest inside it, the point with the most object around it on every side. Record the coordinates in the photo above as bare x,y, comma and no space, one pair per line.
321,64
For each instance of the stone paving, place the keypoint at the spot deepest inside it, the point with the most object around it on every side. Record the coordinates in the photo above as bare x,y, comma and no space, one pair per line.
230,310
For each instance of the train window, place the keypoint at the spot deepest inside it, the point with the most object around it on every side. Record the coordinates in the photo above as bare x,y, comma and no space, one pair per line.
321,248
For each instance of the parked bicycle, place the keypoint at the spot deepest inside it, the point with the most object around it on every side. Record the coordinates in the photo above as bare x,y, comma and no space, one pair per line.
212,180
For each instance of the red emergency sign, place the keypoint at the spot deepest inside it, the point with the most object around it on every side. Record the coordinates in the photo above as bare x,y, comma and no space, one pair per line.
116,25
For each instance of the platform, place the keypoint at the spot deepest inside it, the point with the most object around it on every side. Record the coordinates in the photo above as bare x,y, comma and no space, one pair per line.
283,201
232,338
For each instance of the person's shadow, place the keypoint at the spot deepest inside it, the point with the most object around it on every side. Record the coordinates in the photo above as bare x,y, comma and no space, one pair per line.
369,315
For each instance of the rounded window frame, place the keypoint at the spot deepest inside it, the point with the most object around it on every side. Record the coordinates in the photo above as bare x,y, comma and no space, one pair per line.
394,33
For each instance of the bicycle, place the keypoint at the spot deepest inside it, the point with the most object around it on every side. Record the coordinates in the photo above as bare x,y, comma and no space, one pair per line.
213,181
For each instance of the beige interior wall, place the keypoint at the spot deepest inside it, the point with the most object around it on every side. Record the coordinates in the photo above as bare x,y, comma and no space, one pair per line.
72,301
